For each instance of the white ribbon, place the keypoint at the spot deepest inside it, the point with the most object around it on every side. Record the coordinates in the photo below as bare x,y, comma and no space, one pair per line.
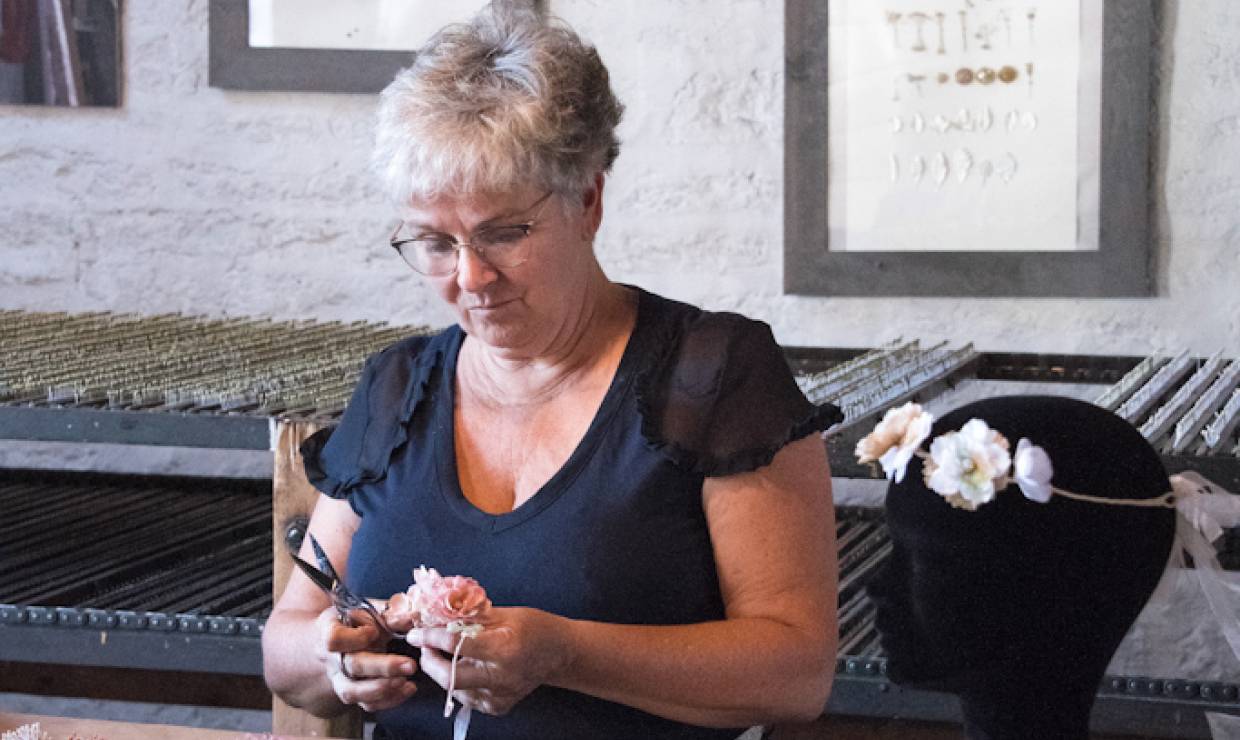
1203,509
460,725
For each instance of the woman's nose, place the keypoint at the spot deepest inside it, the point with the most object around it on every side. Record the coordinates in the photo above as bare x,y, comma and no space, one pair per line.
473,272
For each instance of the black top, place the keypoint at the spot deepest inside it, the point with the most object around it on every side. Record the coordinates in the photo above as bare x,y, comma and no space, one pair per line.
616,535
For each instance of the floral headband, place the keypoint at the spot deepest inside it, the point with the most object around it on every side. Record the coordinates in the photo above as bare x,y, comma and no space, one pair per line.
968,467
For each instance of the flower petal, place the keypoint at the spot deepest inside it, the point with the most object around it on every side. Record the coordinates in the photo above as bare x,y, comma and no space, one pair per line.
1033,472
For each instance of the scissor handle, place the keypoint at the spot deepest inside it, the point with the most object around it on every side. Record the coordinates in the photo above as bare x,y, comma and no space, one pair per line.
345,612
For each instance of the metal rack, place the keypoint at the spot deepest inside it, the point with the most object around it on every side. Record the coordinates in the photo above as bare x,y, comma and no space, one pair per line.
140,602
134,571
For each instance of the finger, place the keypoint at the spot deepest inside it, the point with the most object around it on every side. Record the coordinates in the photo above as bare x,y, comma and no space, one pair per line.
485,701
344,639
376,665
399,622
470,674
373,693
441,639
436,666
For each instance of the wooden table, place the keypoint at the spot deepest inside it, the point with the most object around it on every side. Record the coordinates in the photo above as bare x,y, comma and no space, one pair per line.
60,728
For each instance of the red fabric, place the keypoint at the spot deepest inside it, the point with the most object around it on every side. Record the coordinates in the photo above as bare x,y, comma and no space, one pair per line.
15,38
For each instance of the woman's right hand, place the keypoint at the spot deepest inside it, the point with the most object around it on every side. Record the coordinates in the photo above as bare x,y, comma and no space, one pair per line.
361,672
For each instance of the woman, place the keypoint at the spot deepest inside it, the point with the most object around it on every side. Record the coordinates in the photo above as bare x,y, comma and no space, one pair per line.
1017,606
637,483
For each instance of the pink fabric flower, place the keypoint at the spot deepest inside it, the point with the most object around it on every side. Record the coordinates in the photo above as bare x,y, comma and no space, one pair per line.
443,601
455,602
437,601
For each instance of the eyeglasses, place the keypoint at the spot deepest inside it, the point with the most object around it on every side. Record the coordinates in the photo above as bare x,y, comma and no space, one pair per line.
437,255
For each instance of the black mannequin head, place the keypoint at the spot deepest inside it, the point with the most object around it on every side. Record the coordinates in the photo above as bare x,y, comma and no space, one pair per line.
1018,606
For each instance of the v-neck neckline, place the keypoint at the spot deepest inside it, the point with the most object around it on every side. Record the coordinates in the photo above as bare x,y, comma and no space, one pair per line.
445,440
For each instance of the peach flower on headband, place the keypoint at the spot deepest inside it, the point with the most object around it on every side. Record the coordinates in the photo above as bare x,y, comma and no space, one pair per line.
895,440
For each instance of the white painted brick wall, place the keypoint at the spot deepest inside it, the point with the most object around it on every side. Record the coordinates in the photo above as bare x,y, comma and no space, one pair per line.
195,199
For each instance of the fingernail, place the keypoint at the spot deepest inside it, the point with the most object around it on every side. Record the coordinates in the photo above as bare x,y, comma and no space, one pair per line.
407,668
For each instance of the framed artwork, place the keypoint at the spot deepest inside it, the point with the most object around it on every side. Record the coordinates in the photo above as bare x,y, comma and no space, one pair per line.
322,45
60,52
968,147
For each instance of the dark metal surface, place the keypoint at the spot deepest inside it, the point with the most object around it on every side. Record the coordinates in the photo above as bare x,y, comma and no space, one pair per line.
134,572
88,425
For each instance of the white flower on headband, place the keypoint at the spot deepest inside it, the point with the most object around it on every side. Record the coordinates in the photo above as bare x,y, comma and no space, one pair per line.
967,468
895,440
963,465
1033,471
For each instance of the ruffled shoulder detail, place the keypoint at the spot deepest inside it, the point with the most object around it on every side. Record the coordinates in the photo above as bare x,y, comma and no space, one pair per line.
376,422
716,396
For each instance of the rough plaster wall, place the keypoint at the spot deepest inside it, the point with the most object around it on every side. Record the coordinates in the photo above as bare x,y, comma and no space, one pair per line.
195,199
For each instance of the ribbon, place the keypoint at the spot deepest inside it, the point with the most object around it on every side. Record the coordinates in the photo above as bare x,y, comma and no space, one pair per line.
1203,510
460,725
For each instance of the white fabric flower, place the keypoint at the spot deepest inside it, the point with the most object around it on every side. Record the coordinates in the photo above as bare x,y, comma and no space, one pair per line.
895,439
1033,471
966,464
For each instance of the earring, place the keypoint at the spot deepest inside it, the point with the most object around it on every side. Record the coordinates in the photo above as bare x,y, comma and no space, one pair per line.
920,18
1007,172
918,170
893,20
986,120
964,164
941,169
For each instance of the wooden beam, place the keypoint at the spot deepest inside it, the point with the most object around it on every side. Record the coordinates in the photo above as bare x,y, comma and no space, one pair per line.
293,500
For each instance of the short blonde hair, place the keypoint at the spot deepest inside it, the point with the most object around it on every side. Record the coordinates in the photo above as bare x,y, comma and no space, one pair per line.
507,100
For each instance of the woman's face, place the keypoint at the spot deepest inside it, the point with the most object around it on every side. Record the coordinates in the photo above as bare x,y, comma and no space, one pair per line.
523,309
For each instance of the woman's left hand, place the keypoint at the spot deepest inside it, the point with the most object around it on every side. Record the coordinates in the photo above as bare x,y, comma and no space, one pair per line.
517,651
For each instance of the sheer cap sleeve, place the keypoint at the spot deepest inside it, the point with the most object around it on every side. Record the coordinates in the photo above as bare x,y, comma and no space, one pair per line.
375,422
722,399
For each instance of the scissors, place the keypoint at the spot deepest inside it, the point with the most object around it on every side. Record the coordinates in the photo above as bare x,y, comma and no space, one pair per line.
345,601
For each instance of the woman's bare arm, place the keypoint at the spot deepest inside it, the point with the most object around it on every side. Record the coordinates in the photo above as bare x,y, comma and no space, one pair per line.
302,639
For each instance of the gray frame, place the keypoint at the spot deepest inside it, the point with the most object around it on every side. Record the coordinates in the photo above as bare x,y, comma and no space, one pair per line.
1123,265
235,64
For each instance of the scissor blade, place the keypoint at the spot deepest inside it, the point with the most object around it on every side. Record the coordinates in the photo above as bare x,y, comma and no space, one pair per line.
325,565
319,578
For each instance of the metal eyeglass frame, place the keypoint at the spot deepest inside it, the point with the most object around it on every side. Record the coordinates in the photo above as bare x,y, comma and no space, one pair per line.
525,227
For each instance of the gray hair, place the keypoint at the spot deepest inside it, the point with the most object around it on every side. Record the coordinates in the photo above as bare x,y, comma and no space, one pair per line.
507,100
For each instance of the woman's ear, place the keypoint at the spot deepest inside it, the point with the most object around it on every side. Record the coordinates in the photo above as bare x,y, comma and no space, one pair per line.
592,207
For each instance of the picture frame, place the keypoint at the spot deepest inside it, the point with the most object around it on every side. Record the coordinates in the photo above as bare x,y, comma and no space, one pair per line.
236,65
1122,265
